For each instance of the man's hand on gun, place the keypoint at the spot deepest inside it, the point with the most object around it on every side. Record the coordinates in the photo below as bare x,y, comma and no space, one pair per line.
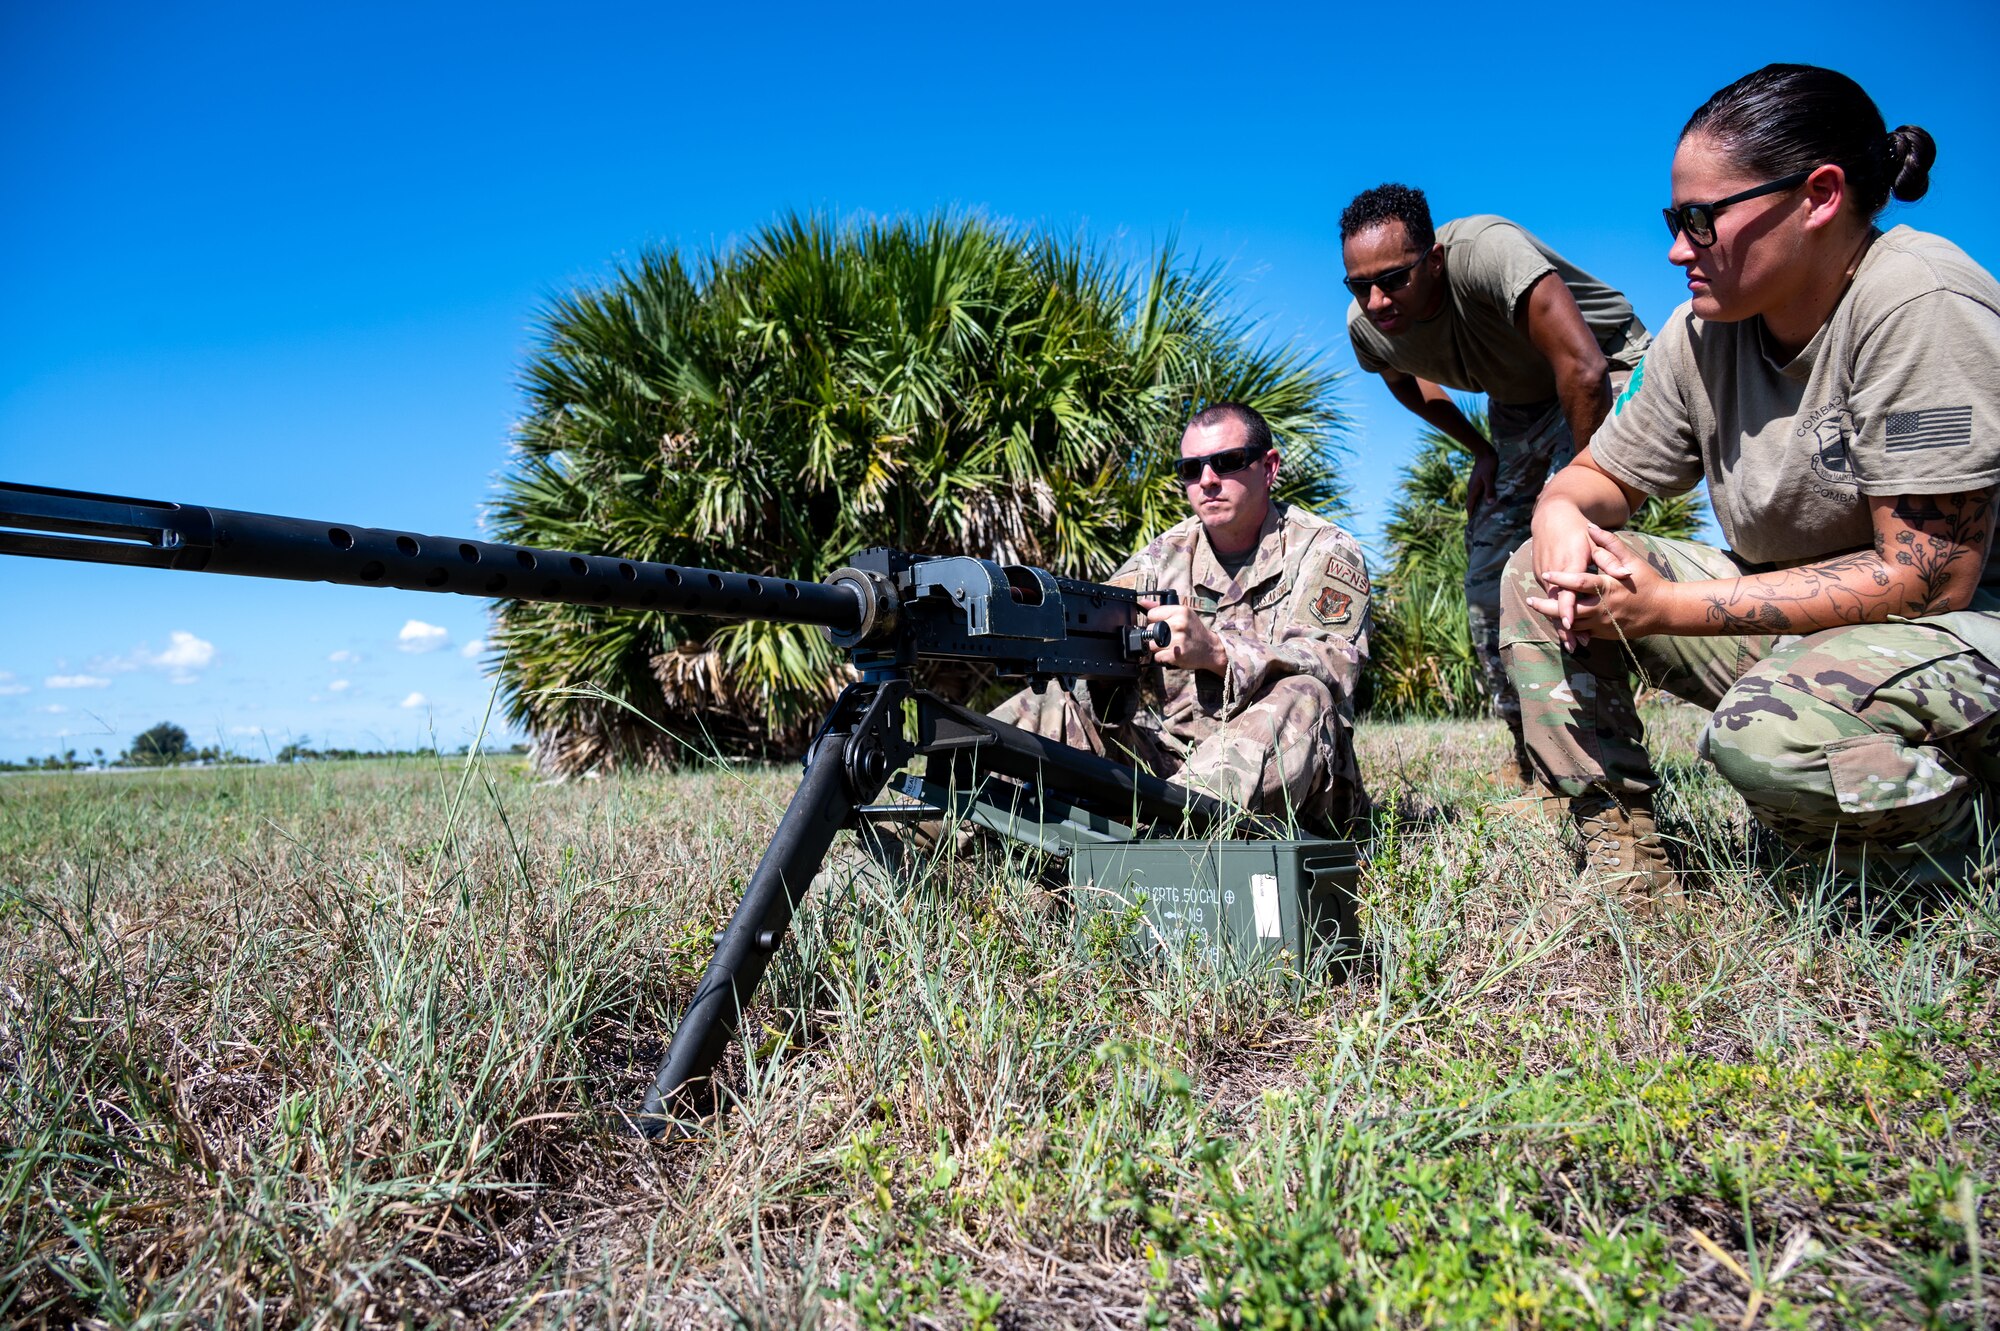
1193,646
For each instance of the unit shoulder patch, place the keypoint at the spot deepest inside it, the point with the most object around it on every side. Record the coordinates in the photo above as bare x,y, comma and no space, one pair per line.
1346,566
1333,606
1632,387
1343,588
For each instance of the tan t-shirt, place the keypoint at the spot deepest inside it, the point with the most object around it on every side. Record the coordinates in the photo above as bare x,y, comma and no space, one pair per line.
1473,344
1898,393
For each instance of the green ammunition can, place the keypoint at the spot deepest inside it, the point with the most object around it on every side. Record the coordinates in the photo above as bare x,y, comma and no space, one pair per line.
1241,902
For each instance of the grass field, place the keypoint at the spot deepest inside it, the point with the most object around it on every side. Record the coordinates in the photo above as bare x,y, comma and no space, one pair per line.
344,1044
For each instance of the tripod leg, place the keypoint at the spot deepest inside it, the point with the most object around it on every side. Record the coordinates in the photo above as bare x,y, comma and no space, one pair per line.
846,769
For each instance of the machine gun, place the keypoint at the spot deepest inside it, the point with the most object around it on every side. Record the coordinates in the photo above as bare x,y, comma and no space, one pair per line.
889,610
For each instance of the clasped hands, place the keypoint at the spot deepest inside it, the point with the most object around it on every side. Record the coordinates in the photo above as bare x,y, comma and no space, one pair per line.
1193,645
1622,597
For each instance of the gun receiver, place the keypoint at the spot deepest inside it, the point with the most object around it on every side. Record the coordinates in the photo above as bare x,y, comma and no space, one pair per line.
889,610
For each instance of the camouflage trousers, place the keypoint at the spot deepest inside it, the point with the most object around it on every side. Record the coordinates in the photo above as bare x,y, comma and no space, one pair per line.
1287,752
1532,443
1871,744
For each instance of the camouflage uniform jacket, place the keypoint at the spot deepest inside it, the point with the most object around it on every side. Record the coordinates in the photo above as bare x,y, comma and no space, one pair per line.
1299,607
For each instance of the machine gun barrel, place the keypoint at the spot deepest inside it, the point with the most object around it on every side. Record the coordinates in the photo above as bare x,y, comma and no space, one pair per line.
890,610
108,529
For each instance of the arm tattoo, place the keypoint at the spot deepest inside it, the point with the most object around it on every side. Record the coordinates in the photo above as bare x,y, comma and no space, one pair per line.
1944,532
1755,605
1912,570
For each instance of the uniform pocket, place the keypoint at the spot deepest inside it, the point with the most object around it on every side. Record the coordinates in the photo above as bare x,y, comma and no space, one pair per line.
1268,598
1908,678
1871,773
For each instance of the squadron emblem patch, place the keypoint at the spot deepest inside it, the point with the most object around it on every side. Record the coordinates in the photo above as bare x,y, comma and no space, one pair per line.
1332,606
1345,576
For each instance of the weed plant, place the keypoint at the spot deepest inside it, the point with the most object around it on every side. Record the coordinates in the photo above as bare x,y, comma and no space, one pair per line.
349,1044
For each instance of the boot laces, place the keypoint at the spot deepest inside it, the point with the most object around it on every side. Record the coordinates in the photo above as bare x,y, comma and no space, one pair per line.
1613,841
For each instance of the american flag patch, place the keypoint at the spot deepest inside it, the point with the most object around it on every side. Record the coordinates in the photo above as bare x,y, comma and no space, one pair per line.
1940,427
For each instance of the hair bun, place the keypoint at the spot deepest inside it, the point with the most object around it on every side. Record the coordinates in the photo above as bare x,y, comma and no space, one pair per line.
1911,152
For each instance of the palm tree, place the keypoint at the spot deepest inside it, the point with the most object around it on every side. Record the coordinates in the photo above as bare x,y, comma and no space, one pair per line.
1422,662
945,384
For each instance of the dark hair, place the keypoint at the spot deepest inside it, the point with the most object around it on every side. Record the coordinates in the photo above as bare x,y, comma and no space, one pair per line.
1789,118
1256,430
1372,207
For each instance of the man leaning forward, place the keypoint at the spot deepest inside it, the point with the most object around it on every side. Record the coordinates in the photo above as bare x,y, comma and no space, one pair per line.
1482,306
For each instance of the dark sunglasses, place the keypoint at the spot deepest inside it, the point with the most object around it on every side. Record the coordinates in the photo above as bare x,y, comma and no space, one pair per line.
1390,282
1698,219
1225,462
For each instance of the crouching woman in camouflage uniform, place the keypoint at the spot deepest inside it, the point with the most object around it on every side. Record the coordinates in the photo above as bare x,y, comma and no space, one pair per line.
1838,387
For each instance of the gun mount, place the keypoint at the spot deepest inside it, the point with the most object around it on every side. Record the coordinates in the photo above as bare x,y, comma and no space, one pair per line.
889,610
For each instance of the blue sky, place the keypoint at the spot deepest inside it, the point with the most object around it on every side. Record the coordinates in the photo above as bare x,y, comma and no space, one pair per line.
289,258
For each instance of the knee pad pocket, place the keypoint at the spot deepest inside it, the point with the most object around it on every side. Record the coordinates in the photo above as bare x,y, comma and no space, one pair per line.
1872,773
1761,727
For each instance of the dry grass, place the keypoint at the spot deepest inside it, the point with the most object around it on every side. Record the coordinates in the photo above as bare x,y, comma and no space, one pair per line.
347,1044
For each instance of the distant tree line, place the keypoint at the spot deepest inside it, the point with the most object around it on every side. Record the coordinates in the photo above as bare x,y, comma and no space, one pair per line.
303,752
167,745
66,761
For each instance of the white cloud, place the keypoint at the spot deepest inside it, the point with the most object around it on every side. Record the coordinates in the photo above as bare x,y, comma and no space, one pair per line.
471,651
53,709
339,686
76,682
415,700
9,686
345,657
185,652
246,730
418,636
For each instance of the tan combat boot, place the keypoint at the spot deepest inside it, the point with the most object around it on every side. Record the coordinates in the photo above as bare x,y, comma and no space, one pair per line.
1527,797
1622,851
1517,773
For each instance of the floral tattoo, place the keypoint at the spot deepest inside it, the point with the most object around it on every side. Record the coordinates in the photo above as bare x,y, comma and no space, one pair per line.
1936,543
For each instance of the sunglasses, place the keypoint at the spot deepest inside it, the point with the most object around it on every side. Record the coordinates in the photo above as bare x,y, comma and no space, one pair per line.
1388,283
1698,219
1226,462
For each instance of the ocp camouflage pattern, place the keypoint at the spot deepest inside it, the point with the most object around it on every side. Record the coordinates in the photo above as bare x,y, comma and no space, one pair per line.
1532,444
1873,741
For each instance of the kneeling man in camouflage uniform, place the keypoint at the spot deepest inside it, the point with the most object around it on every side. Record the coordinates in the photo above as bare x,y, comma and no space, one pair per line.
1254,698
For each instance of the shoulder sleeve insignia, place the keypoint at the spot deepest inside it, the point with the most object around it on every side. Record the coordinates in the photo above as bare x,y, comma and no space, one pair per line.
1631,389
1332,606
1344,567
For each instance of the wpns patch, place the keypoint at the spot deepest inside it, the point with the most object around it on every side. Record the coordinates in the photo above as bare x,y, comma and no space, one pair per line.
1348,568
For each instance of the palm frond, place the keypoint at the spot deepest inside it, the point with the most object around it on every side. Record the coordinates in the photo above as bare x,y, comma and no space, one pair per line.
942,383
